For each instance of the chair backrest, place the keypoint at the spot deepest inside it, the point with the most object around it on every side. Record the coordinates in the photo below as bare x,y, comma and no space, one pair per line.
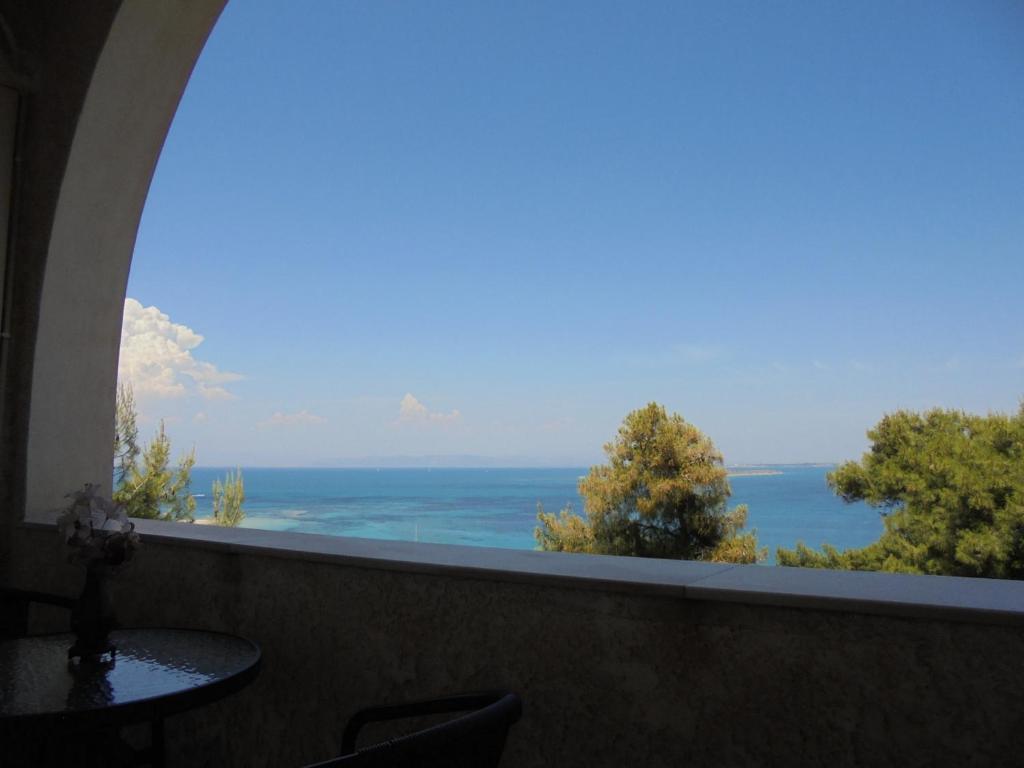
475,739
15,605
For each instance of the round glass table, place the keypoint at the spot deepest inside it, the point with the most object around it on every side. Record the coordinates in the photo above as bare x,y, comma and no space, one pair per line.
156,672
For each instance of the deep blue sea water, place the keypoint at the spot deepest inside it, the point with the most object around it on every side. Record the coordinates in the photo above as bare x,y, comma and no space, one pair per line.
498,507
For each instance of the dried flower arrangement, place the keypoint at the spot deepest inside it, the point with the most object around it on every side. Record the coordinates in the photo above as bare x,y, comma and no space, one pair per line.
97,530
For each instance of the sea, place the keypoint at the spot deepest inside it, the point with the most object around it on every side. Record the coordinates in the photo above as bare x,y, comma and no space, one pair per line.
498,507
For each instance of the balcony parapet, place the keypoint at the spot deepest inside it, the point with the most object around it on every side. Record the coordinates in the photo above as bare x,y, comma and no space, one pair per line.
945,598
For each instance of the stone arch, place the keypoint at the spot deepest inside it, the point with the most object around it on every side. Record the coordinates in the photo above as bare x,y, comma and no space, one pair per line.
133,93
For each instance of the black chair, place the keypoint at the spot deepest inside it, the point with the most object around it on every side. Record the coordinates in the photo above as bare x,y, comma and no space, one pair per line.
15,605
475,739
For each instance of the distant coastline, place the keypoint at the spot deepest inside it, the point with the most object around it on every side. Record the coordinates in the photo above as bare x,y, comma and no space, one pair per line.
468,461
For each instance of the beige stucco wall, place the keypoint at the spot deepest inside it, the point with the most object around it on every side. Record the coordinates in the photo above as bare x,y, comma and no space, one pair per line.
135,88
98,83
49,51
608,678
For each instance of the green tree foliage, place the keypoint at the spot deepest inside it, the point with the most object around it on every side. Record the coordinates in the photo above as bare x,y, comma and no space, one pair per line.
126,434
565,532
951,487
227,500
146,485
663,493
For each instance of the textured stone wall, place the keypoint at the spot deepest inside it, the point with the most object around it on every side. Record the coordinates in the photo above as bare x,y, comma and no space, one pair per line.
607,678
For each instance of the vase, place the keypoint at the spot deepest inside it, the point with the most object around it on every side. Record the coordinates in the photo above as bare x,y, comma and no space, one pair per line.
93,616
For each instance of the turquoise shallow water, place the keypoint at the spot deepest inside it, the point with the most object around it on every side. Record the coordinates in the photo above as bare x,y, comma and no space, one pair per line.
497,507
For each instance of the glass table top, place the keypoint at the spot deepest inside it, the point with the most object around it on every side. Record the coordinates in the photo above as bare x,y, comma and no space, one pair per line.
151,665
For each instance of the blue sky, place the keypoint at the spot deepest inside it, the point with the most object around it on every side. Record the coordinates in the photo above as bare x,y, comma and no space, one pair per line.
494,229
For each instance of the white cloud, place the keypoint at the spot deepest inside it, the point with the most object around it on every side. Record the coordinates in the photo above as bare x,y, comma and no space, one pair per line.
821,366
200,418
156,357
297,419
412,411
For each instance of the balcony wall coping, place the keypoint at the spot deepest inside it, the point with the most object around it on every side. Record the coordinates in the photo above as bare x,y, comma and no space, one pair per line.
948,598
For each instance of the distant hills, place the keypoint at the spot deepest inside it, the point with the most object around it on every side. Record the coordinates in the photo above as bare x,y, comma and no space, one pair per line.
481,461
473,461
451,461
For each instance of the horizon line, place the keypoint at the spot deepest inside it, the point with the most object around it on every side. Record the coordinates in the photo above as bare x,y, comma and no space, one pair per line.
745,465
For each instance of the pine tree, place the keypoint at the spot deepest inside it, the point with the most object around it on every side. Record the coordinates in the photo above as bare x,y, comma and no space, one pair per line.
126,434
145,484
227,500
663,493
950,486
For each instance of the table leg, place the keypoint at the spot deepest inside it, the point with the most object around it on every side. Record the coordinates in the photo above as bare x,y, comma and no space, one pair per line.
156,743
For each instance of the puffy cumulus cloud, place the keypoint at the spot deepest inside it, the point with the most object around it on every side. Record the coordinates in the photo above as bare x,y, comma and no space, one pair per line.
298,419
156,357
412,411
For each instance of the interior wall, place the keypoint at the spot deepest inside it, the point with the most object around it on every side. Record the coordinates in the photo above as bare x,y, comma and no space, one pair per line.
134,92
8,131
98,84
49,52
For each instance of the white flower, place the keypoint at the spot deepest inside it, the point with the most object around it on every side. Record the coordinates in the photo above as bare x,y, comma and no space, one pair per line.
97,529
66,524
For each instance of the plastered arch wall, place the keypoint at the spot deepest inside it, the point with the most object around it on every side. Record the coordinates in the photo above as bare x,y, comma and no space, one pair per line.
137,83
